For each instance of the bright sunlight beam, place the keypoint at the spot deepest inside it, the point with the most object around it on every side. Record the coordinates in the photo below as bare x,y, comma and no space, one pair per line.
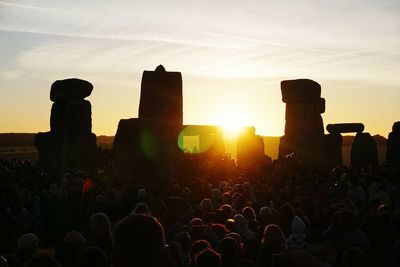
231,121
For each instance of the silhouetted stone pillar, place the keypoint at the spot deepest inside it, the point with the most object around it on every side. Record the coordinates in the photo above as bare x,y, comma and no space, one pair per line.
333,142
145,149
250,150
161,96
393,147
364,151
70,142
304,129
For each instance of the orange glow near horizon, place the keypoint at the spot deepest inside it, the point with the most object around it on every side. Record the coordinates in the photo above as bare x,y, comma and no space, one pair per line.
232,121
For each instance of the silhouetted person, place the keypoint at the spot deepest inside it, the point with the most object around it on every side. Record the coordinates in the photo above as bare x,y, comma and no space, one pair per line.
354,257
207,258
73,244
43,259
26,247
229,250
196,247
101,232
139,241
273,242
92,256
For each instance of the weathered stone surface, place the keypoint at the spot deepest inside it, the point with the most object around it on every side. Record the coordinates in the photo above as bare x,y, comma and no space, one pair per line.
301,90
70,143
73,117
80,151
78,117
345,128
332,153
364,151
70,89
57,117
161,96
145,150
304,129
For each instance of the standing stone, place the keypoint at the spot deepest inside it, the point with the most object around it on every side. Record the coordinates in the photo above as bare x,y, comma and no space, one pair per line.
70,89
304,129
161,96
345,128
250,150
70,142
393,147
145,149
333,142
364,151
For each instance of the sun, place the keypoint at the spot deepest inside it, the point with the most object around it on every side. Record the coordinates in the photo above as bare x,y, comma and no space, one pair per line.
231,121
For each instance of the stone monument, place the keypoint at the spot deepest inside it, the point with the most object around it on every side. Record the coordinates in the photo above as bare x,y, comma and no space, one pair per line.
145,149
70,144
304,129
250,151
334,141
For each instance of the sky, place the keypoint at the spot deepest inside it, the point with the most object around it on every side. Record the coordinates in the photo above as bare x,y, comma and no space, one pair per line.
232,55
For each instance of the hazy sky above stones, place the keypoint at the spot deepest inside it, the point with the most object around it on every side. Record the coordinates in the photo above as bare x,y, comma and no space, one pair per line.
232,55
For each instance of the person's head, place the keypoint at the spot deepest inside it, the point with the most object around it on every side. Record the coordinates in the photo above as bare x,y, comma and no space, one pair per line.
236,237
238,202
196,228
206,205
228,247
240,223
100,224
141,193
219,229
139,239
141,208
249,214
273,237
354,257
226,198
197,246
74,237
67,253
207,258
216,196
266,216
28,243
298,226
92,256
43,259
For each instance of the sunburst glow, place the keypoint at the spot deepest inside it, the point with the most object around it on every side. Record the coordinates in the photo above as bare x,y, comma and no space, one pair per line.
232,121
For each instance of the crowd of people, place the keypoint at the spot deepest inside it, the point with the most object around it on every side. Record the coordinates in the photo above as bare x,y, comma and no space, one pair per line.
287,217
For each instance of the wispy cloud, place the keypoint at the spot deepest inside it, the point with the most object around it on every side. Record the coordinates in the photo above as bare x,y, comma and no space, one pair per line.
24,6
231,43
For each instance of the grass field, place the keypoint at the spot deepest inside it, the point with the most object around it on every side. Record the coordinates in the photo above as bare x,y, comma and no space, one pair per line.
19,152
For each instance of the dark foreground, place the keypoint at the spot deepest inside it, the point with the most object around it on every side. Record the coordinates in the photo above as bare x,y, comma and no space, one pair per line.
288,217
